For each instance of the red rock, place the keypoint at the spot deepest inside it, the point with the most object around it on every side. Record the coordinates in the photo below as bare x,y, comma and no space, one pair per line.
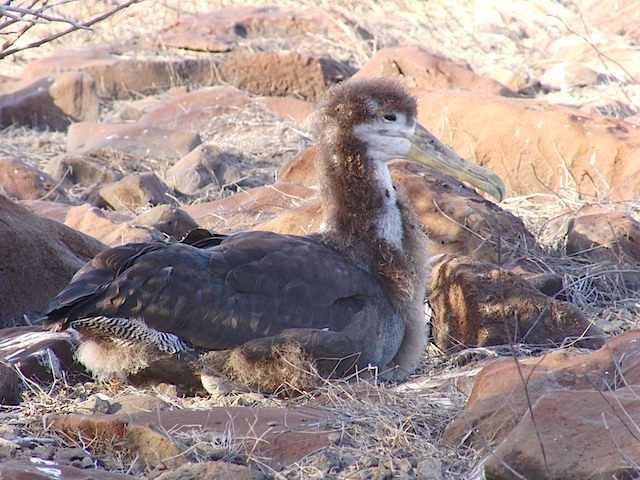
585,434
39,257
123,75
194,111
504,392
52,102
21,181
301,168
246,209
479,304
531,144
203,166
134,192
100,225
279,435
134,139
52,210
418,69
289,109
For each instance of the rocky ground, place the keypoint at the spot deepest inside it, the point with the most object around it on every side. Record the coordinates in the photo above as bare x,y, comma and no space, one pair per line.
176,115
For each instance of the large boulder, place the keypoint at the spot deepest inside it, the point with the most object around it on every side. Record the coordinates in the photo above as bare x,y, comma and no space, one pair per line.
39,257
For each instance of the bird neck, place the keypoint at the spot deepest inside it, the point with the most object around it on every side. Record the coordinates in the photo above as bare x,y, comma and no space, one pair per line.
360,203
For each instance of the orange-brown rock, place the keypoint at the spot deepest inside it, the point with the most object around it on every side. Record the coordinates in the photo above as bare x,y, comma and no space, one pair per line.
132,139
604,236
79,170
279,435
246,209
171,221
582,404
419,69
479,304
536,147
259,28
51,102
287,108
21,181
111,231
572,435
301,168
194,111
134,192
122,75
39,257
204,166
504,391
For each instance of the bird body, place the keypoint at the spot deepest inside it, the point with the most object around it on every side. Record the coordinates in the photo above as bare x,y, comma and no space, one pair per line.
347,297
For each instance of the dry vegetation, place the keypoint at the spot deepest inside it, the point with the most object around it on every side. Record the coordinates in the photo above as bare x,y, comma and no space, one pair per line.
384,428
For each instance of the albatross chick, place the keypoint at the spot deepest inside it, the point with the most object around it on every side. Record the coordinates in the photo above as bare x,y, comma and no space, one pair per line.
264,308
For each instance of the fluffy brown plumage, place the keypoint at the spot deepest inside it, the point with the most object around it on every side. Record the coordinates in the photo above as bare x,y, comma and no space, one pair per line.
275,305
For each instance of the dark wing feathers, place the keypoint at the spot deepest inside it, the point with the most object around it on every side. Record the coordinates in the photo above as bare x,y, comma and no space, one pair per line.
223,293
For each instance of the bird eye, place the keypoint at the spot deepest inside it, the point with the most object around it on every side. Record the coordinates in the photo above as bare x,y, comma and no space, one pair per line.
389,117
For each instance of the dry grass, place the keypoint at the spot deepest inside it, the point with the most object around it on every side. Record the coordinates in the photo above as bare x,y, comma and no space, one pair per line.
383,428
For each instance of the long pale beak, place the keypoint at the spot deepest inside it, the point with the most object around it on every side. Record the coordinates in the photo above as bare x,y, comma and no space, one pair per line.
427,149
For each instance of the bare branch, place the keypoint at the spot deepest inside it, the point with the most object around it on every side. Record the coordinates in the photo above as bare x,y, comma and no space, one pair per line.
18,15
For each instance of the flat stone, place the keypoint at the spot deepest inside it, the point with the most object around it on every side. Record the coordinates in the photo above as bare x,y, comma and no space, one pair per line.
279,435
122,75
52,102
195,111
135,139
